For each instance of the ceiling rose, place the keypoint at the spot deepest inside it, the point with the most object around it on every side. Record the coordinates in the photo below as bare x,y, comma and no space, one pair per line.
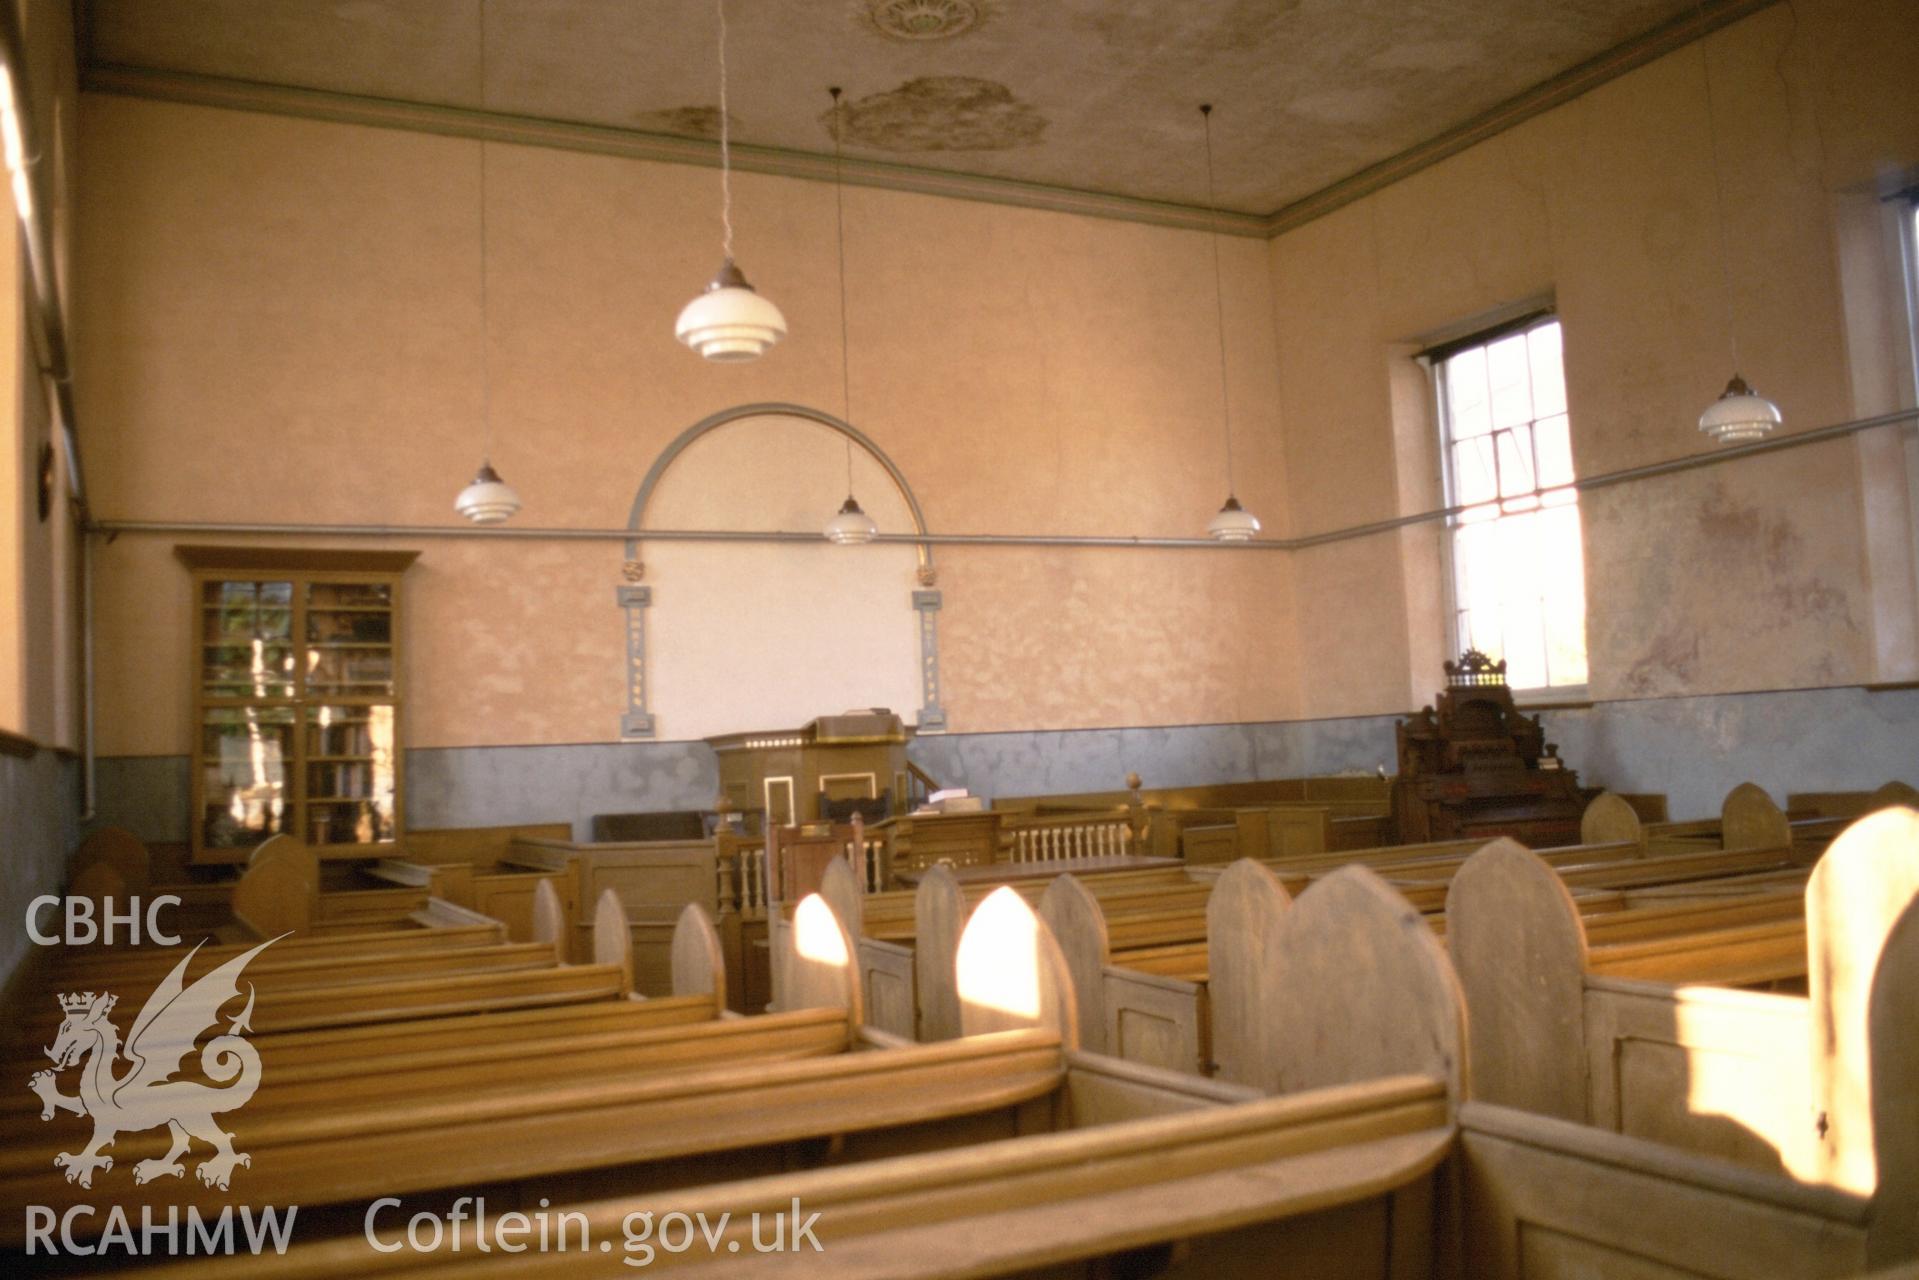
924,19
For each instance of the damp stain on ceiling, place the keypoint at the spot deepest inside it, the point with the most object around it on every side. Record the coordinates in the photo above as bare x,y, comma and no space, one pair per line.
941,113
1082,95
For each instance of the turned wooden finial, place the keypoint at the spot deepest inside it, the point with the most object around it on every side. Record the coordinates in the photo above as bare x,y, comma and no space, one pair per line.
1136,819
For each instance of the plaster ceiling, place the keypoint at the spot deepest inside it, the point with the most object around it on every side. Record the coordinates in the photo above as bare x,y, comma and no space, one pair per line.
1085,95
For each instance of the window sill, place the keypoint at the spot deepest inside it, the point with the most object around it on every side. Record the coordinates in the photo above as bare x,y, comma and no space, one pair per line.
1571,697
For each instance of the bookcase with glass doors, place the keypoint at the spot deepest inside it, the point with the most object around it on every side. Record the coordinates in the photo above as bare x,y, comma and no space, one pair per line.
298,699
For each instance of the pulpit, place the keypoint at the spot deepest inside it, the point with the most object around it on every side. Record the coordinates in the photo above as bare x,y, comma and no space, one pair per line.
785,774
1473,765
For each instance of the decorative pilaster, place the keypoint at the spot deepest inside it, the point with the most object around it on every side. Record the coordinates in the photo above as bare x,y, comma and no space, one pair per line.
637,723
932,718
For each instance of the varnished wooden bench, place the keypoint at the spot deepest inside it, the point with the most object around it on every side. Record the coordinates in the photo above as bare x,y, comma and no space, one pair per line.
1772,1080
1371,1177
1113,1154
900,934
451,1056
436,1110
1148,981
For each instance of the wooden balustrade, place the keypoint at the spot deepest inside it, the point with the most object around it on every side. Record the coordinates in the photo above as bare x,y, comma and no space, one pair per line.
873,866
740,867
1053,837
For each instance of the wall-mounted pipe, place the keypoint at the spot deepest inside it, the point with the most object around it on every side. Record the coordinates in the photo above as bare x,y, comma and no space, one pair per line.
36,235
1717,457
89,783
47,323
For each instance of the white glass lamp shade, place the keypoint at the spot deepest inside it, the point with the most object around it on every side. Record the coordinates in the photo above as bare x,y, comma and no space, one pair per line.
1739,415
851,526
489,499
1234,523
729,321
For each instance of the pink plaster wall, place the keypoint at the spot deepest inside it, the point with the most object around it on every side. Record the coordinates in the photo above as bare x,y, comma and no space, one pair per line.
1748,577
278,320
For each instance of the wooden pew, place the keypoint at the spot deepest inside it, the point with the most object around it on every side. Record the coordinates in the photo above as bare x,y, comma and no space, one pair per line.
1682,1064
76,966
451,1103
1151,980
698,997
450,1056
304,1000
438,940
893,936
279,891
1604,1204
1363,1178
205,904
1851,804
1140,962
1559,1197
1093,1159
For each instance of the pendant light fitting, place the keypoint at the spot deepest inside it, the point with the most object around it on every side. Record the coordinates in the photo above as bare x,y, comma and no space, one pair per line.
489,499
1234,523
1740,414
850,526
729,321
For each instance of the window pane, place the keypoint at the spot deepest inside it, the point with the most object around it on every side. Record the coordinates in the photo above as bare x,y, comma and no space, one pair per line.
1562,548
1466,410
1474,567
1473,477
1552,446
1518,557
1515,462
1525,635
1548,371
1510,383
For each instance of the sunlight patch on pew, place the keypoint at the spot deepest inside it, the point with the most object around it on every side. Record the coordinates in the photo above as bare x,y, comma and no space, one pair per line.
1854,897
816,932
999,957
1740,1054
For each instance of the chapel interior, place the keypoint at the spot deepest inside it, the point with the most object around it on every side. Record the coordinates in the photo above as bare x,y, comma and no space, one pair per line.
1102,639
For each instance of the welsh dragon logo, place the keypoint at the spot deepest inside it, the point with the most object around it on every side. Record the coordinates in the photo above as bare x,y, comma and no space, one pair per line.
143,1096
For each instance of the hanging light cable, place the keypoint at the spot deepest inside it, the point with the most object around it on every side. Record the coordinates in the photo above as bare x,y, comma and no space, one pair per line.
489,499
1740,414
1233,523
729,321
850,525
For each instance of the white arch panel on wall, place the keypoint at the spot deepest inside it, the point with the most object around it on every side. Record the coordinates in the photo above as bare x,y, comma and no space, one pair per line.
768,635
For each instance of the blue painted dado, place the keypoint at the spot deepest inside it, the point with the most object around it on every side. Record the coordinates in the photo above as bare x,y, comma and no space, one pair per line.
1692,749
39,825
1697,749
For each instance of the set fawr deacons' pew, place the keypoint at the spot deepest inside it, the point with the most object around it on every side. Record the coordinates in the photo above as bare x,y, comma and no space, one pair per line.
1009,1151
